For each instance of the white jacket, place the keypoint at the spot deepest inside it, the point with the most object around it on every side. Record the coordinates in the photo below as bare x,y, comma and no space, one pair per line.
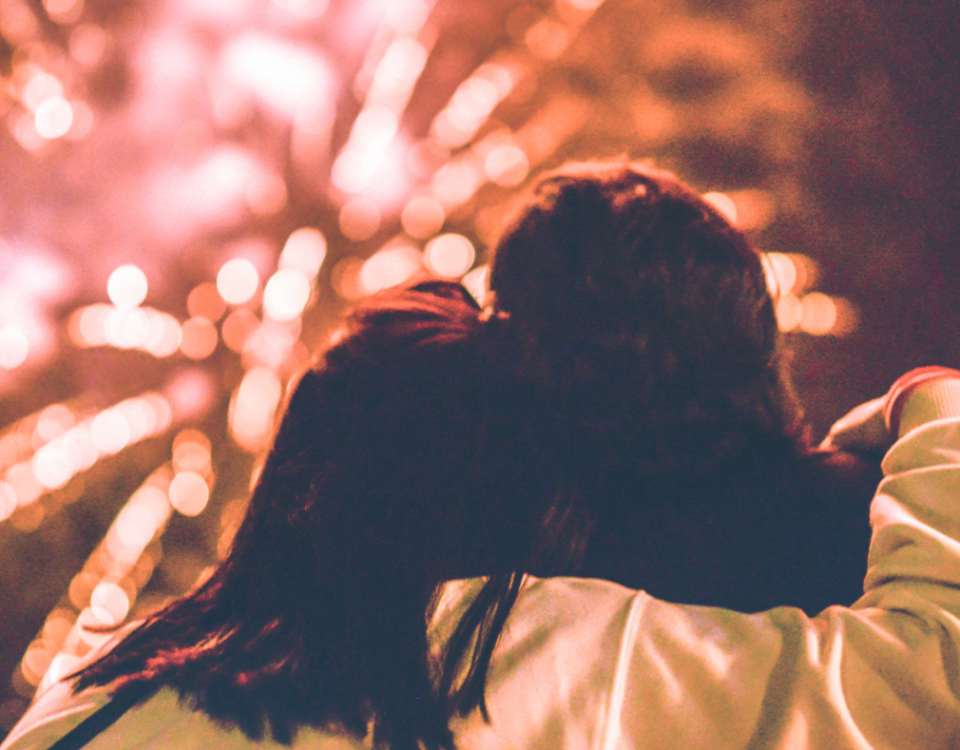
589,664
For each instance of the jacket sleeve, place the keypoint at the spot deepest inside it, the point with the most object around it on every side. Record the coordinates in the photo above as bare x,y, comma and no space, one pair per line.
884,673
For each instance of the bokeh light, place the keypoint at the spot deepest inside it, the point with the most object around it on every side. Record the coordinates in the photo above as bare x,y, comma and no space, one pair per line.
422,217
109,603
14,347
304,250
237,329
238,281
189,493
53,118
204,301
285,76
199,338
449,255
724,204
389,266
253,407
818,313
507,165
127,286
286,294
192,452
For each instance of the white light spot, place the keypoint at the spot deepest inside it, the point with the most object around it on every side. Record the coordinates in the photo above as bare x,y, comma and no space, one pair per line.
189,493
14,347
127,286
388,267
237,281
252,408
53,118
286,294
305,249
109,603
449,255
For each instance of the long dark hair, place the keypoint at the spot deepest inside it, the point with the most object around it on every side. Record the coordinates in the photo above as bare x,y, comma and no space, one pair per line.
407,457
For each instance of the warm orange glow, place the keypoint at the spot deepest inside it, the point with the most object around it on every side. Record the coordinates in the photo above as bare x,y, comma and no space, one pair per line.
199,338
81,587
191,452
24,483
472,103
345,278
507,165
789,312
204,301
127,286
140,519
53,422
422,217
87,44
724,204
267,194
818,314
191,393
271,344
456,182
388,267
238,327
359,219
189,493
449,255
547,39
781,273
146,329
286,294
109,603
63,11
8,501
35,662
237,281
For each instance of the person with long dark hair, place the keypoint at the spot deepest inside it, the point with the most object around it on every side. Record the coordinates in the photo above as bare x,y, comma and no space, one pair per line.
412,569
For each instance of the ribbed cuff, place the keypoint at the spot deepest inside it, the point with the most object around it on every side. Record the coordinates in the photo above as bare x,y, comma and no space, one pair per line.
921,396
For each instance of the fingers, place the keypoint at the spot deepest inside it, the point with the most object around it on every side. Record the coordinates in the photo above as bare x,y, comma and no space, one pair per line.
862,429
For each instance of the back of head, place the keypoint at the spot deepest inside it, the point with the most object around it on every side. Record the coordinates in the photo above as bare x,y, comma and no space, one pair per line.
647,313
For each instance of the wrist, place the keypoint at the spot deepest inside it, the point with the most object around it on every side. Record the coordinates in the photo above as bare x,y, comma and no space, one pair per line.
920,396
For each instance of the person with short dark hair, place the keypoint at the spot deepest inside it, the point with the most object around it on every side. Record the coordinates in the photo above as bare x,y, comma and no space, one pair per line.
646,316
